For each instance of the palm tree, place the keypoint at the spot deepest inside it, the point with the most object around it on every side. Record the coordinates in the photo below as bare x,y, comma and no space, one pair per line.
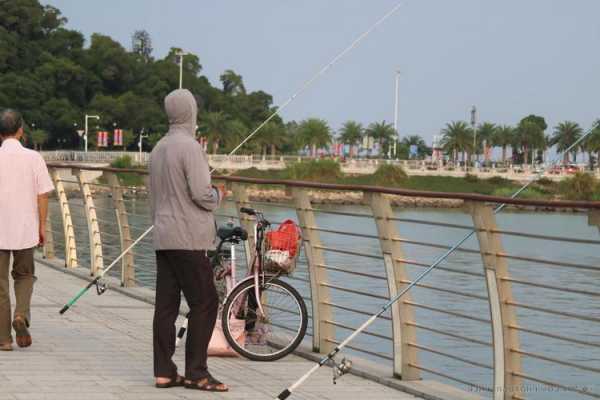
592,143
503,137
485,134
416,140
215,125
457,137
565,134
352,133
232,83
315,133
235,132
529,135
270,136
383,133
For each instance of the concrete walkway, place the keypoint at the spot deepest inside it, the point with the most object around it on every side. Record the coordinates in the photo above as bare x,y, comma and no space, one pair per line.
102,349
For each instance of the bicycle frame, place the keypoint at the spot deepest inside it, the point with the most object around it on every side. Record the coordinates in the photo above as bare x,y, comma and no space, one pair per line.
256,272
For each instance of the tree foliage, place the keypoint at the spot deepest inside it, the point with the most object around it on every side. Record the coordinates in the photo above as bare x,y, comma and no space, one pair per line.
314,133
54,78
565,135
457,138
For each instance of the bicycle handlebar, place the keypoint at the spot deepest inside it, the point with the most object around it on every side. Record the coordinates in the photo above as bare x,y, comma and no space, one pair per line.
259,215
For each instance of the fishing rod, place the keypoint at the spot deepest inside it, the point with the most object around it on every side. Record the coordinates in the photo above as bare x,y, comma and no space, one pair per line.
344,367
305,86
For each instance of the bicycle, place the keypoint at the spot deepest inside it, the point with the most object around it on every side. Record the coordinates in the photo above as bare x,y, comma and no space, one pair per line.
274,326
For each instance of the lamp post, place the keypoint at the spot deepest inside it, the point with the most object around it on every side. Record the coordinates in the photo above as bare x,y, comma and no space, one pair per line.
181,54
85,138
396,111
474,125
142,136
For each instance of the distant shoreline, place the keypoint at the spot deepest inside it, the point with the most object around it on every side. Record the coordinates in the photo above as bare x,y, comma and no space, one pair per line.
347,198
356,198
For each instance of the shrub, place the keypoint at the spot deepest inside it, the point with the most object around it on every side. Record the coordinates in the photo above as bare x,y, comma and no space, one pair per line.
581,186
122,162
314,170
471,178
545,182
389,175
498,180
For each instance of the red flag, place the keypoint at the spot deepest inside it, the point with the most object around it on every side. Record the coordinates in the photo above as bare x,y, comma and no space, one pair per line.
102,139
118,138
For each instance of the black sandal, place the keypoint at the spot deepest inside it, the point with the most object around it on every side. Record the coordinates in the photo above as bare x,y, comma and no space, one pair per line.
207,384
176,381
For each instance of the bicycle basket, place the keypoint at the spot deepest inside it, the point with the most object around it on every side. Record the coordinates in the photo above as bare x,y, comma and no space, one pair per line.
282,247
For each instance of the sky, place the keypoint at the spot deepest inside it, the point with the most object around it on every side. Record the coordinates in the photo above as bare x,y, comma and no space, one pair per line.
510,58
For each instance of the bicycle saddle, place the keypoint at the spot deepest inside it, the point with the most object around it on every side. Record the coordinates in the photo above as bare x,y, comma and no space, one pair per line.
227,232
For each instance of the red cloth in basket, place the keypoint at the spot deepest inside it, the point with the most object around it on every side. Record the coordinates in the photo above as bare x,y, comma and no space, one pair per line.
285,238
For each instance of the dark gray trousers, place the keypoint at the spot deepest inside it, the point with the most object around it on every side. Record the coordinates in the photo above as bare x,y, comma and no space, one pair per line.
189,272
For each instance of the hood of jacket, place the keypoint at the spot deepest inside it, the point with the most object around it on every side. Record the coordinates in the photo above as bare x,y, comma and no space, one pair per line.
182,110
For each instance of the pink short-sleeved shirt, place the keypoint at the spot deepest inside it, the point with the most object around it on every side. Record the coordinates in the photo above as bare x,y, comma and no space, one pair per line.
23,176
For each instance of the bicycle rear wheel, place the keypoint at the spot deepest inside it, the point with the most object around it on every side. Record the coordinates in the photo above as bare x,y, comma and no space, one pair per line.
268,337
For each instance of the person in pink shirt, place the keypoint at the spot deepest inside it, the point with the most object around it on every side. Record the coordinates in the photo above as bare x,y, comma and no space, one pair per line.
24,187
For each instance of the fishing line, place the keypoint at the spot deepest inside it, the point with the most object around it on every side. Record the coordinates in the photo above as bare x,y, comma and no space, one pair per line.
305,86
288,391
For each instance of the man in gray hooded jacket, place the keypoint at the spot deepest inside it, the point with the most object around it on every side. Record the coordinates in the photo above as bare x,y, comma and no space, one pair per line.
182,201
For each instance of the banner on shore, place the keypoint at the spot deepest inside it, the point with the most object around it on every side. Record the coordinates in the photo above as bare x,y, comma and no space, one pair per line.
102,139
118,137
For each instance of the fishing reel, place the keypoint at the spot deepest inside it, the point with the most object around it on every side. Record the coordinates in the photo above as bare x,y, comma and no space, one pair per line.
340,369
101,287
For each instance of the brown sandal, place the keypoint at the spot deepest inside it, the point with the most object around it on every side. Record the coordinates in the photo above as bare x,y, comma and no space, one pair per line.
23,337
208,384
176,381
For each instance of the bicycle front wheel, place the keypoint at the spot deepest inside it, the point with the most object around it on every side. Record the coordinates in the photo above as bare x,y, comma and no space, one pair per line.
270,336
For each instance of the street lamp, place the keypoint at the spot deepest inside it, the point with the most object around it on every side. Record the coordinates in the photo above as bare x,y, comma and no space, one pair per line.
396,110
85,138
181,53
474,125
142,136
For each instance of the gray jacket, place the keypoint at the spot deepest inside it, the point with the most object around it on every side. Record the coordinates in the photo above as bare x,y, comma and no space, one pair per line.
182,198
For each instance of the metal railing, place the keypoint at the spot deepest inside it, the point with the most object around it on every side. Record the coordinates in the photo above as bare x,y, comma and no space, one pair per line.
512,315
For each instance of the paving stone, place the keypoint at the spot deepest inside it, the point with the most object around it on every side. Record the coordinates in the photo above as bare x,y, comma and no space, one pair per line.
102,349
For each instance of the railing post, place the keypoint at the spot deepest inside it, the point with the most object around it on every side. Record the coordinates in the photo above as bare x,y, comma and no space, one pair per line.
405,355
96,259
48,248
240,195
321,311
127,263
594,218
68,229
503,315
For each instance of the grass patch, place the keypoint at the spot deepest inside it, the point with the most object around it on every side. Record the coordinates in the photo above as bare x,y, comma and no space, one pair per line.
127,178
579,187
529,193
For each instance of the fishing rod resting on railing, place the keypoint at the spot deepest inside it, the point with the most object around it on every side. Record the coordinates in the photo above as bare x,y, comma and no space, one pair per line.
101,288
344,366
